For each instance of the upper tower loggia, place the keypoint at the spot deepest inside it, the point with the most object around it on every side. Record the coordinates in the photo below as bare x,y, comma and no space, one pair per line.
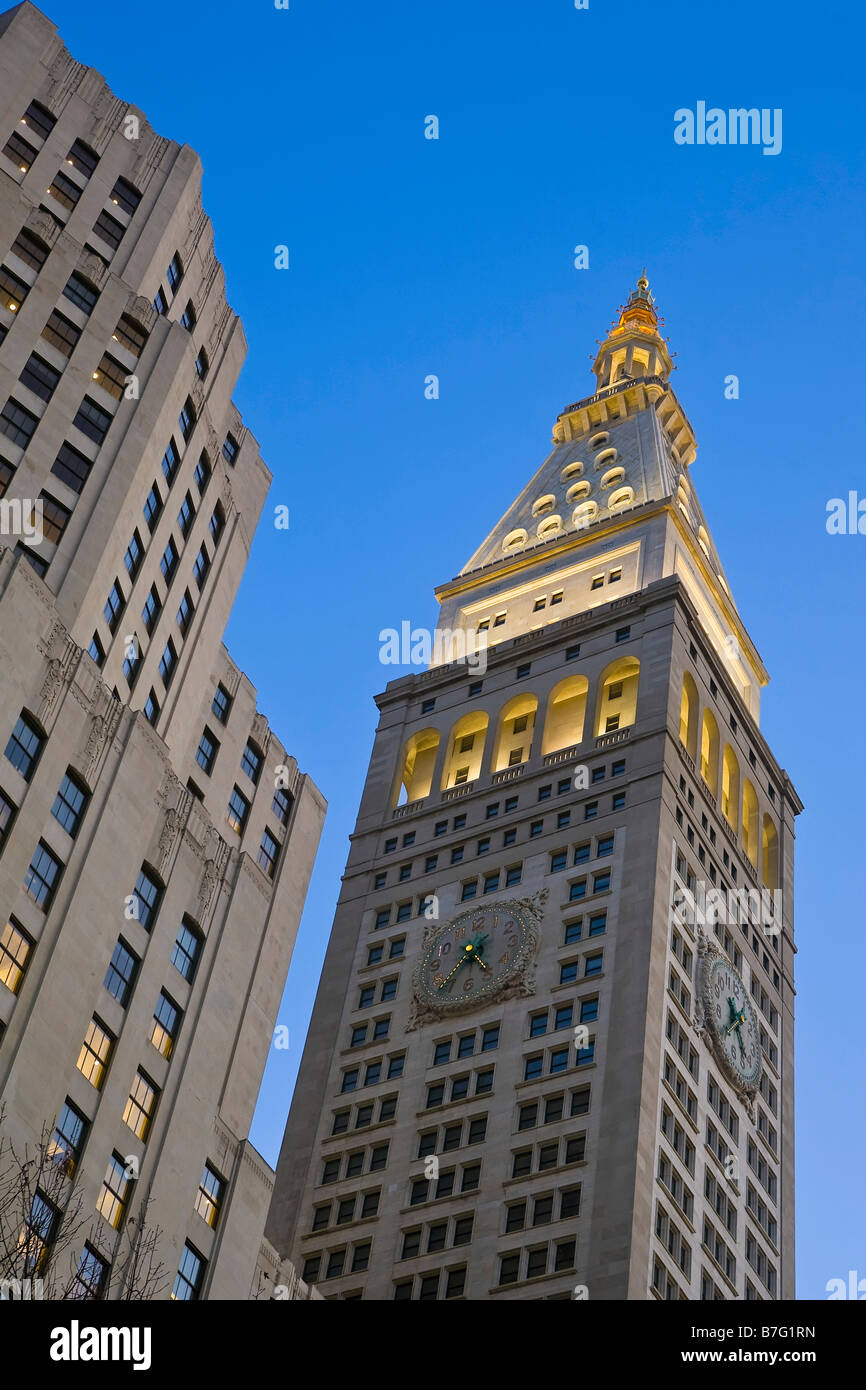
611,510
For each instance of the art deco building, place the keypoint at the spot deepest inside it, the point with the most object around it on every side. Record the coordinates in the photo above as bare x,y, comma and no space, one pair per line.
533,1071
156,837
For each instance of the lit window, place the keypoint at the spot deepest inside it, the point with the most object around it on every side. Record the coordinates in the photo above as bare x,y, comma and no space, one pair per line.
140,1105
165,1024
209,1196
95,1053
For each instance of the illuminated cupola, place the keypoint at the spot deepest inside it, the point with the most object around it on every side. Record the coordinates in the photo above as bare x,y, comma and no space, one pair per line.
634,347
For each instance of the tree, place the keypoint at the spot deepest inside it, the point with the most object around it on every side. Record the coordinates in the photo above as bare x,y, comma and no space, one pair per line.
51,1248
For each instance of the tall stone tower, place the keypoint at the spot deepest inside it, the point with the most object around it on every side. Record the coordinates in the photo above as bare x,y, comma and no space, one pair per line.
156,837
552,1050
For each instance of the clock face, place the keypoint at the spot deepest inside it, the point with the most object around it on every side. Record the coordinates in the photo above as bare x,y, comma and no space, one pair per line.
733,1022
474,957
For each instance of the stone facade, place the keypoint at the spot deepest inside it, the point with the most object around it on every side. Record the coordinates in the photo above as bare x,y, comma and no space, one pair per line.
157,837
574,1133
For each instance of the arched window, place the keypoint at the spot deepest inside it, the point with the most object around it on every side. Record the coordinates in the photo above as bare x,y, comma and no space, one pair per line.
516,727
416,775
710,751
623,497
689,716
465,750
514,539
617,696
577,491
612,477
730,786
606,458
571,470
770,855
566,711
750,822
584,513
549,527
543,504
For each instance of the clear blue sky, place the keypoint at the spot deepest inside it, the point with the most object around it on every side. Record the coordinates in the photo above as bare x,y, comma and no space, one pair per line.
454,257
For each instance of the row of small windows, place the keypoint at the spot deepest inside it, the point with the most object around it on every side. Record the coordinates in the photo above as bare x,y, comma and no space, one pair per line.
615,709
412,907
760,840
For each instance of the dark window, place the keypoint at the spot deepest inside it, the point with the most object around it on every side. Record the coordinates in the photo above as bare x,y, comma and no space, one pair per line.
268,851
217,523
109,229
67,1141
80,291
114,606
29,249
130,335
202,473
201,364
168,563
61,333
70,804
238,810
152,508
251,762
82,158
221,704
151,610
25,745
42,877
185,613
125,196
188,317
134,555
190,1275
17,423
186,516
151,707
92,420
170,461
230,448
71,467
7,473
201,567
160,303
167,663
54,519
64,190
20,151
14,290
120,976
96,649
146,898
282,805
187,418
187,947
39,120
7,815
208,747
174,274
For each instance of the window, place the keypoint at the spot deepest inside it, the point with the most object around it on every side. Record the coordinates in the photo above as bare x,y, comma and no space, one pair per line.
170,461
513,875
189,318
217,523
20,151
186,516
81,293
17,424
111,376
15,948
64,190
202,365
174,274
95,1053
209,1197
167,663
91,1276
39,1230
130,335
125,196
151,610
7,815
281,806
140,1105
230,449
152,508
42,877
151,707
490,1038
187,419
238,810
121,973
268,851
71,467
82,158
201,567
190,1275
623,634
109,229
185,613
165,1025
39,377
67,1141
92,420
61,334
145,899
202,473
251,762
221,704
168,563
25,746
186,951
134,555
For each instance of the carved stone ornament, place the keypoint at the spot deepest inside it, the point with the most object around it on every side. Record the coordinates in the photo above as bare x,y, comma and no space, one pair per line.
206,888
167,837
486,953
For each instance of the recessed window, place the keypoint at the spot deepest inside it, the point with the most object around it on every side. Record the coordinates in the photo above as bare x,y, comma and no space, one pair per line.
189,318
120,976
81,293
64,190
39,377
209,1197
43,877
168,563
201,567
187,419
134,555
92,420
238,810
95,1053
18,424
187,948
185,613
202,473
15,948
170,461
231,449
221,704
251,761
61,333
20,152
109,230
151,707
186,516
164,1025
268,852
146,896
67,1140
70,804
112,1199
82,158
167,663
208,747
174,274
190,1276
140,1105
125,196
25,746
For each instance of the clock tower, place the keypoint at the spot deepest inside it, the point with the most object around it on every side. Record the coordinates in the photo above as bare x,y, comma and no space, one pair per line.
551,1055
